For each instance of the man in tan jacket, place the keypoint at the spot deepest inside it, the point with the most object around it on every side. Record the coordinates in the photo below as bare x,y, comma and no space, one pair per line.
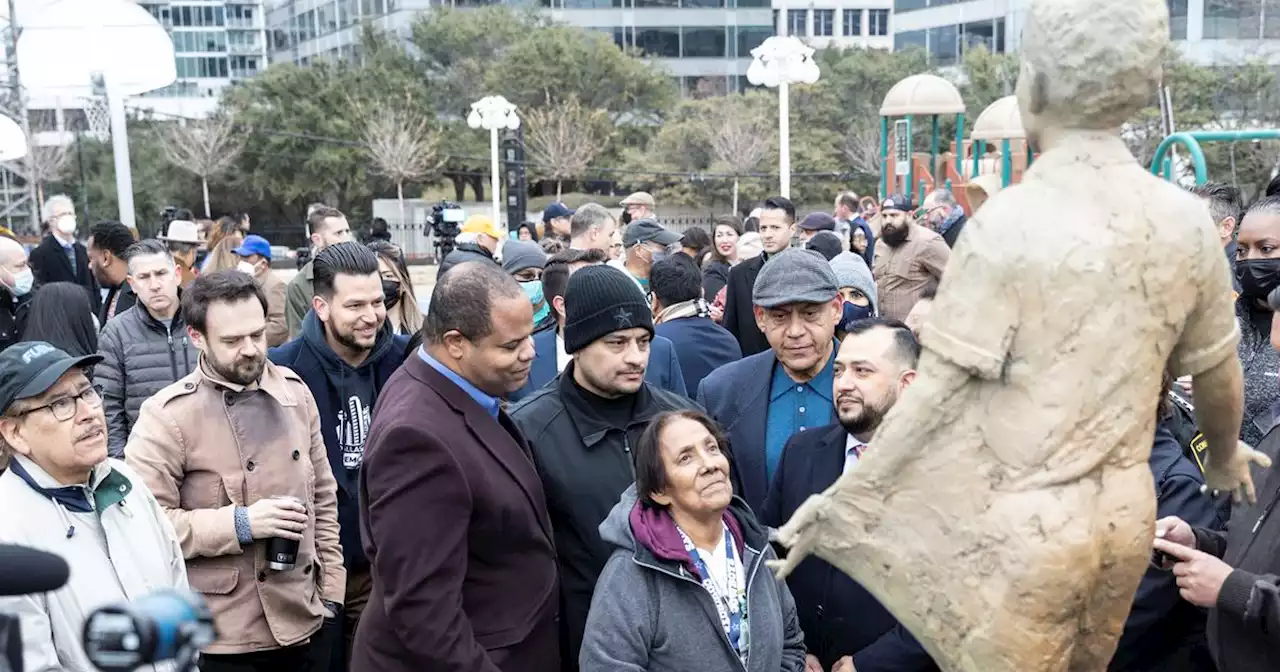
222,449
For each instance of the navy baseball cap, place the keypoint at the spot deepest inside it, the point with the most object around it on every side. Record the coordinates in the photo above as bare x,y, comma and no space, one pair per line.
896,202
556,210
252,245
30,368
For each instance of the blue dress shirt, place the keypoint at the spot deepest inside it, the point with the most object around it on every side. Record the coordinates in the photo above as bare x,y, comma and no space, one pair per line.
795,407
488,403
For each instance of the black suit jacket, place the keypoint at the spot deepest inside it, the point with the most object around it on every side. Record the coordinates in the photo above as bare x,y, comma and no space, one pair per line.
739,315
838,616
455,527
49,263
953,233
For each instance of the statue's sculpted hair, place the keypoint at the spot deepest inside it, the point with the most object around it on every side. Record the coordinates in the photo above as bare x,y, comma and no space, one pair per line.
1092,64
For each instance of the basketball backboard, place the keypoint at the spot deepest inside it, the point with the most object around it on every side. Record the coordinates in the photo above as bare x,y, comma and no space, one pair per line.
65,45
13,142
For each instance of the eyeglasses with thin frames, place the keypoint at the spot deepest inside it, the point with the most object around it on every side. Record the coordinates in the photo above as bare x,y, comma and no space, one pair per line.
64,408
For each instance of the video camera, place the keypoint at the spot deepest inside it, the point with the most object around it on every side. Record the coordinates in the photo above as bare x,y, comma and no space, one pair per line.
170,625
445,221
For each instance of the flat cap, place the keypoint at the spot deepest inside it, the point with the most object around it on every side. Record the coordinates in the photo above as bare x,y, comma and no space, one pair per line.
818,221
639,198
794,276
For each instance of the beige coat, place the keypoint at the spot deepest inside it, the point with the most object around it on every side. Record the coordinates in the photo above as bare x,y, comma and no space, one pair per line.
205,446
277,328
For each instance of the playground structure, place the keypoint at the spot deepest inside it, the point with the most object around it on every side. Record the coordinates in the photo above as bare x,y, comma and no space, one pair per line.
1163,162
915,174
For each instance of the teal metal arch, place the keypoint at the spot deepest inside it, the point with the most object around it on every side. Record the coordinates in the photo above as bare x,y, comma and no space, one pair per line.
1162,162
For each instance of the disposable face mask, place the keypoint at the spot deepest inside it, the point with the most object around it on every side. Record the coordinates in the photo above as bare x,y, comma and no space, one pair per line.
67,224
247,268
23,282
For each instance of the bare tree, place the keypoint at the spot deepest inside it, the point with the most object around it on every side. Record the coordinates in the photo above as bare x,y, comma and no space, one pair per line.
563,138
740,137
205,147
45,163
401,144
861,146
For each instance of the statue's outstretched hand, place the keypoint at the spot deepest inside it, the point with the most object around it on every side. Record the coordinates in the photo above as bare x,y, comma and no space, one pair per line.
1233,476
799,535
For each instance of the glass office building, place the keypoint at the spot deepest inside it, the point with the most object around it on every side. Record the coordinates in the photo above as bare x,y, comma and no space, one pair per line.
1206,31
705,44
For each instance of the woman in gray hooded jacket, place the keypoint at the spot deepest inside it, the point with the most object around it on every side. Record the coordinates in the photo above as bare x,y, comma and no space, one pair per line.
687,587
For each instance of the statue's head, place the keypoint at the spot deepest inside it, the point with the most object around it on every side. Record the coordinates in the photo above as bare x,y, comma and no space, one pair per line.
1089,64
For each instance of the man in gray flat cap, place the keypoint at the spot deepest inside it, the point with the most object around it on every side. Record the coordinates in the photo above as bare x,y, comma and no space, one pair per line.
797,305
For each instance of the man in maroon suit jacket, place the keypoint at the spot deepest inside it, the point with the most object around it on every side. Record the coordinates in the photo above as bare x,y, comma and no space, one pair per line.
452,511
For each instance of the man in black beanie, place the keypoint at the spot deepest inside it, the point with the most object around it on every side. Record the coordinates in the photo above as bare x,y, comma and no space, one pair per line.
581,428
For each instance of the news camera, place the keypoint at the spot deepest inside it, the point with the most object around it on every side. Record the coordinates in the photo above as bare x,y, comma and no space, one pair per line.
445,221
170,625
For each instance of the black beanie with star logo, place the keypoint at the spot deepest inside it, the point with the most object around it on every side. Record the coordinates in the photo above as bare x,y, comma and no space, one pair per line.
599,301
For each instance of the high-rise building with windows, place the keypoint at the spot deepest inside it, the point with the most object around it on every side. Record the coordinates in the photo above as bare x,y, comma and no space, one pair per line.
1206,31
705,44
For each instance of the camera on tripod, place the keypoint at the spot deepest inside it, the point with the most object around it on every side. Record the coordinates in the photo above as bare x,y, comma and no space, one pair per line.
445,221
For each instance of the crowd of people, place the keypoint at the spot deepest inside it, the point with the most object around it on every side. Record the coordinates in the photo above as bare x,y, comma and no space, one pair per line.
569,457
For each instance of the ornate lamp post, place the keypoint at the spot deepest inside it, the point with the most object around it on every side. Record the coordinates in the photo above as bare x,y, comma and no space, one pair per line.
780,62
494,113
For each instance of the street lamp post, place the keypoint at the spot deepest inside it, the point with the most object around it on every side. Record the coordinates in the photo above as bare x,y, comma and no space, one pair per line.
780,62
494,113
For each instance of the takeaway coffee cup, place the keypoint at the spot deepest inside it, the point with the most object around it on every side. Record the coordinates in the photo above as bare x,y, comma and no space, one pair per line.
282,554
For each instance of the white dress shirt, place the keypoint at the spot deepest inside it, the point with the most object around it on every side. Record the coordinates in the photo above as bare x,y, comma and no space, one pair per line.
852,450
562,357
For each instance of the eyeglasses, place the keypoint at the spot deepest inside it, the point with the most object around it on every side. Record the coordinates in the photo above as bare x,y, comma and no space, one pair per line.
64,408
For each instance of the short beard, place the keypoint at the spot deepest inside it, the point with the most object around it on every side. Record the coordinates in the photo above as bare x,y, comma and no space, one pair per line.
609,390
895,236
347,340
871,417
242,373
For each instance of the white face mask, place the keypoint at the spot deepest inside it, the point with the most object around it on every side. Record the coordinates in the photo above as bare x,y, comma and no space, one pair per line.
247,268
67,224
23,282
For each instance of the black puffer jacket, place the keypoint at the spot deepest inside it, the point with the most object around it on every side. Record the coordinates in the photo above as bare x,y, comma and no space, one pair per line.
141,356
13,316
463,253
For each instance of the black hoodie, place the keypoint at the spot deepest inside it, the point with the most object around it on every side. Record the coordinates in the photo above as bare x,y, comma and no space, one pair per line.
345,396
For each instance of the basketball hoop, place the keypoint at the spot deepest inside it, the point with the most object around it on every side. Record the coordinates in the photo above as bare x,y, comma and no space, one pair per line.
97,116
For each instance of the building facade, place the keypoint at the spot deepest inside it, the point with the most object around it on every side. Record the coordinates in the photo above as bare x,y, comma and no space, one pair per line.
1205,31
704,44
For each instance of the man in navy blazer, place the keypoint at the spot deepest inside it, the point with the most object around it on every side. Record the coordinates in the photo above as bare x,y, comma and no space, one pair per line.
675,291
841,619
550,359
765,399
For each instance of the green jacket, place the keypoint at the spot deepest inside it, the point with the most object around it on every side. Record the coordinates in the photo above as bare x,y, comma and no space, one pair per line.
298,299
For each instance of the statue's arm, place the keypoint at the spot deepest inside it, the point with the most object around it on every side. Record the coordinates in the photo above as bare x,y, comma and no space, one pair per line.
1219,407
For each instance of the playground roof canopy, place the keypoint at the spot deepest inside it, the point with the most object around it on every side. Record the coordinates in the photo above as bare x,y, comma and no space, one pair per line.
922,94
1000,121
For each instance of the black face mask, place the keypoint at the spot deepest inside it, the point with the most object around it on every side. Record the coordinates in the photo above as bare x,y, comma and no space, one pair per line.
626,217
390,293
1258,277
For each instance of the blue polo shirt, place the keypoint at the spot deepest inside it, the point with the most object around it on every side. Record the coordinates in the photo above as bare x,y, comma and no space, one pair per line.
487,402
795,407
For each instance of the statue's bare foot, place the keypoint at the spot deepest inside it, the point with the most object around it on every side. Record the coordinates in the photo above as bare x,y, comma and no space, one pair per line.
799,535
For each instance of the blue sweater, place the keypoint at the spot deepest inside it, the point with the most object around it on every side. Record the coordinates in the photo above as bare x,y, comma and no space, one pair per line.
701,345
